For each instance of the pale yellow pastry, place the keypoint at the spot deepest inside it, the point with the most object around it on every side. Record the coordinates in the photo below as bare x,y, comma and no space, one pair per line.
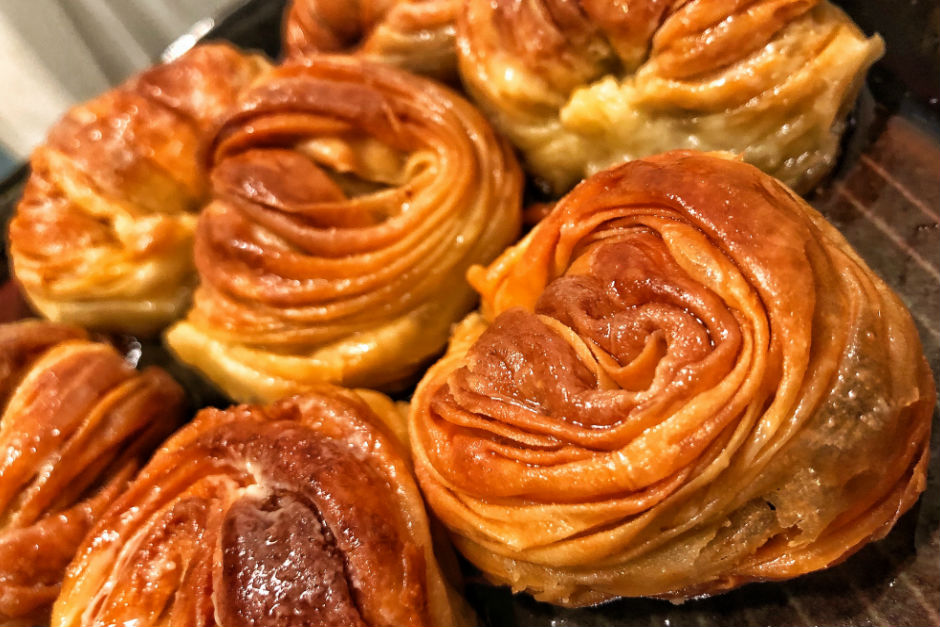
579,85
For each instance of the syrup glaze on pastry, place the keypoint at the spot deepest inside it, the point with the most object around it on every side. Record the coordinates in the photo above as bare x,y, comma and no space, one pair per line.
579,85
304,512
350,199
415,35
682,380
103,234
77,422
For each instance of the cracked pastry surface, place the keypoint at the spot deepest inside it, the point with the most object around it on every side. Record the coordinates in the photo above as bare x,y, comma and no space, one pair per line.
682,380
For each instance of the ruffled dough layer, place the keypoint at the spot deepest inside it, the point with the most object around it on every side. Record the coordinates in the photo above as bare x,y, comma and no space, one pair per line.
103,235
415,35
580,86
682,380
77,423
350,200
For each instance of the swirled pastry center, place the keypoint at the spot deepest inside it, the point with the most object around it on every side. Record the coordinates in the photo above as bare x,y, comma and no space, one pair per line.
661,395
264,519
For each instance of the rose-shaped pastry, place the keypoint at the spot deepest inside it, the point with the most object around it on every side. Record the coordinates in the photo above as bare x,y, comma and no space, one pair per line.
415,35
579,85
77,422
682,380
304,512
103,234
350,199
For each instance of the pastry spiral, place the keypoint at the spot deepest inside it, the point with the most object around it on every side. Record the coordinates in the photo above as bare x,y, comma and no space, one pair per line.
77,422
103,234
349,200
682,380
415,35
579,85
304,512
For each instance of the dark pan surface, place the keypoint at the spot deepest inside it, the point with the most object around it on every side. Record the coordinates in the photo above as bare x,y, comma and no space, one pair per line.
885,198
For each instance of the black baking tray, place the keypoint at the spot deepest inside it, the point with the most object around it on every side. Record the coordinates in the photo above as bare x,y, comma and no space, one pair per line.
885,198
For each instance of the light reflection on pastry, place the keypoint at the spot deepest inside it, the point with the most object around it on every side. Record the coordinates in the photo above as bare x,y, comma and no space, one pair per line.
103,234
77,422
415,35
579,85
304,512
682,380
350,199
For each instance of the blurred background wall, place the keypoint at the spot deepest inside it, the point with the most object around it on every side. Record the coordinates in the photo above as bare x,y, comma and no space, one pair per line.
54,53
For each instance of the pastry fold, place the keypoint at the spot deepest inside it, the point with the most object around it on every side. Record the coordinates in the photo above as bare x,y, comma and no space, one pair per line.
349,200
682,380
415,35
103,234
304,512
77,423
579,85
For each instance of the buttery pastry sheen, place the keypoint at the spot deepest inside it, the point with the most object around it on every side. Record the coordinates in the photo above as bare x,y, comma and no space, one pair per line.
579,85
77,423
682,380
103,234
415,35
301,513
349,200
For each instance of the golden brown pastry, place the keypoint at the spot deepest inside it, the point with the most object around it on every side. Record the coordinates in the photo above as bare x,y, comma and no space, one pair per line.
579,85
77,423
301,513
350,199
415,35
682,380
103,234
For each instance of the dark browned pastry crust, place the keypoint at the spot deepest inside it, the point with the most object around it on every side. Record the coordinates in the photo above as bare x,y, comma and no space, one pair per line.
77,422
303,512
